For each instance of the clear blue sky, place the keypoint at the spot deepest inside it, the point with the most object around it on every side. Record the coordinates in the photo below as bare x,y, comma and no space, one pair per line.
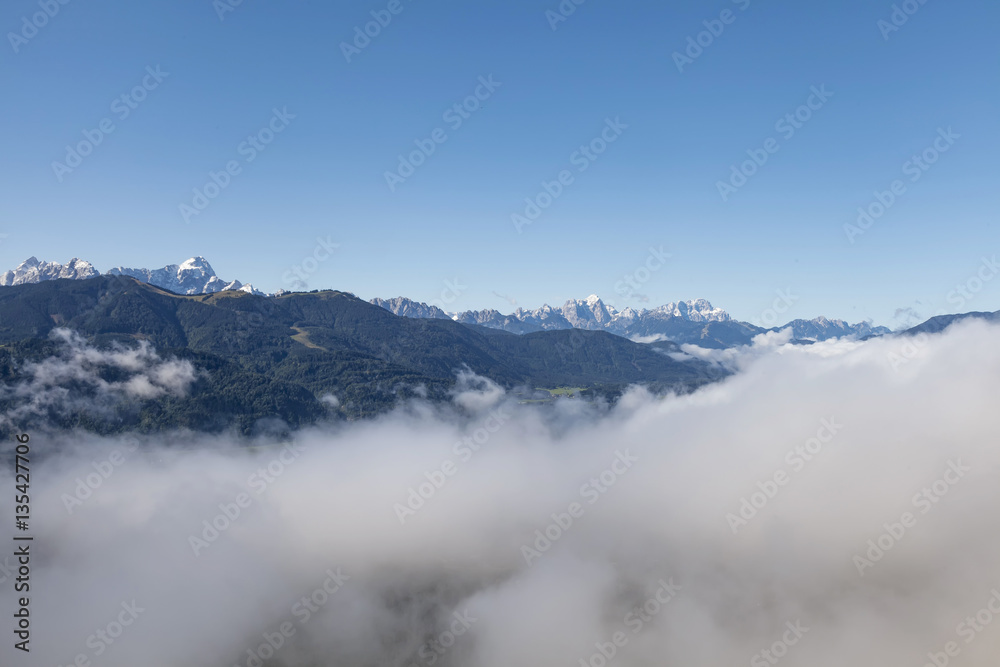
656,185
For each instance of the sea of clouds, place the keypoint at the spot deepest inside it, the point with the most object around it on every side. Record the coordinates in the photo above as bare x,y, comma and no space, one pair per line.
826,505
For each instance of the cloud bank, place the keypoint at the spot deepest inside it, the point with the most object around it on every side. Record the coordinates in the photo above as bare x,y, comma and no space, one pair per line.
823,506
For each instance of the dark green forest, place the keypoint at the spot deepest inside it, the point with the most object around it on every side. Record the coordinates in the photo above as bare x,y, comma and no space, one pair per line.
266,362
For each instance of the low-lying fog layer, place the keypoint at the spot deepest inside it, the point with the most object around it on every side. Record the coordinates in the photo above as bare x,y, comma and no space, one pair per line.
828,505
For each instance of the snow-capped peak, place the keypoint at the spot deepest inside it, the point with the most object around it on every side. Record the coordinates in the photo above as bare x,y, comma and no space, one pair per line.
33,271
194,276
196,265
697,310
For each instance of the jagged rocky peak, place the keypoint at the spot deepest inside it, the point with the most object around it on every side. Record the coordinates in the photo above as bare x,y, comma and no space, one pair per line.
195,276
671,320
33,271
408,308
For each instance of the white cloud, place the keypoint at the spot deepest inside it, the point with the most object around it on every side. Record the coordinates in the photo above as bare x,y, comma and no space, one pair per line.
698,456
74,380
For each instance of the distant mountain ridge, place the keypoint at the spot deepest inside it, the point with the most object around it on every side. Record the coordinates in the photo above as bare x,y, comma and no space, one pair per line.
939,323
407,308
298,358
696,322
194,276
590,313
33,271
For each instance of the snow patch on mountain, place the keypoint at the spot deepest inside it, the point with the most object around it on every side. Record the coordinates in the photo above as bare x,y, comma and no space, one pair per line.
406,308
696,321
195,276
33,271
590,313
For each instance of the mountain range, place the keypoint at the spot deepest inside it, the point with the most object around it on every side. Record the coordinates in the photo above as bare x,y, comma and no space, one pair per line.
113,353
695,322
133,356
195,276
